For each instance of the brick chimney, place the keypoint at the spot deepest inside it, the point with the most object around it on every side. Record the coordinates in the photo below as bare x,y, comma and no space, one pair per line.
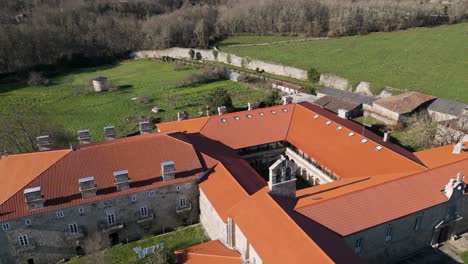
253,105
287,100
455,187
34,198
282,181
43,143
222,110
121,180
182,115
109,133
84,137
168,170
87,187
145,127
458,148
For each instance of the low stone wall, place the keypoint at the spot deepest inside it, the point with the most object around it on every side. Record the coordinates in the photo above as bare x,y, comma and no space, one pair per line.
333,81
208,55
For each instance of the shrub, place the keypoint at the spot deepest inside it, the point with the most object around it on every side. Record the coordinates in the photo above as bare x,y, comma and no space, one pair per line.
218,97
36,79
191,53
215,54
313,75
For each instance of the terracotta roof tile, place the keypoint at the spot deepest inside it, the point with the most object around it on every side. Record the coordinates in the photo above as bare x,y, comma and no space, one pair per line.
193,125
436,157
405,102
213,252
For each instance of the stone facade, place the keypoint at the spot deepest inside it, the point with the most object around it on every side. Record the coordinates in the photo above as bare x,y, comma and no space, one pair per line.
51,238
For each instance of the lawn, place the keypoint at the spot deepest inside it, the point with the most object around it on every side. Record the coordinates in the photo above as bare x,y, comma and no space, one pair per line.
255,40
123,253
429,60
69,103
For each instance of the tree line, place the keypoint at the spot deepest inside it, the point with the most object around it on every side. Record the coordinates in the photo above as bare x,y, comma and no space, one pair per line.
83,32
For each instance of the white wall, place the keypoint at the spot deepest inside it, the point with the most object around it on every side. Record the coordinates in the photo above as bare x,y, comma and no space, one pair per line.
211,221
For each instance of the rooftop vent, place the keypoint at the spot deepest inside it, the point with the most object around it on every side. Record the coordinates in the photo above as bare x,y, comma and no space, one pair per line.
328,122
287,100
182,115
363,140
339,128
284,110
145,127
249,116
261,114
316,116
236,118
121,180
109,133
223,120
458,148
87,187
43,143
273,112
222,110
378,148
34,198
350,134
84,137
168,170
386,136
253,105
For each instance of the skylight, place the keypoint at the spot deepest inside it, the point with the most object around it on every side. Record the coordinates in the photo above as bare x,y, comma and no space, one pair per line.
350,134
316,116
328,122
339,128
261,114
223,120
363,140
284,110
236,118
378,148
249,116
273,112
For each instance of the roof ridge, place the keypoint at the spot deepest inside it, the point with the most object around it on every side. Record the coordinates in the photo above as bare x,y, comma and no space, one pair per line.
211,255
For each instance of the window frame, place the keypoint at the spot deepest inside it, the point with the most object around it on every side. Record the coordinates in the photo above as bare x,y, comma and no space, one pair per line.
73,228
23,240
417,223
184,203
389,233
6,226
59,214
144,211
358,245
110,215
28,222
151,193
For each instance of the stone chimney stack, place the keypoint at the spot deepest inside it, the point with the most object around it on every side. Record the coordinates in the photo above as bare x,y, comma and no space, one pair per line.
282,180
43,143
34,198
121,180
168,170
87,187
145,127
386,136
222,110
458,148
84,137
182,115
109,133
253,105
455,187
343,113
287,100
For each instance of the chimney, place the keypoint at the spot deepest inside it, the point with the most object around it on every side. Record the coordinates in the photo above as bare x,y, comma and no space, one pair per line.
287,100
455,186
145,127
84,137
121,180
343,113
182,115
282,181
458,148
168,170
386,136
222,110
109,133
34,198
87,187
43,143
253,105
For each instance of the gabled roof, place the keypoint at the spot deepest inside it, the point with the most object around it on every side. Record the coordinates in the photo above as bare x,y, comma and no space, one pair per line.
140,155
18,170
333,104
354,97
446,106
213,252
440,156
378,203
405,102
193,125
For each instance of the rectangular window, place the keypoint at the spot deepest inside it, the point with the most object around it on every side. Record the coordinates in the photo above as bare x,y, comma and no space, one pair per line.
178,188
110,218
5,226
134,198
73,229
358,245
23,240
417,224
81,210
389,233
28,222
144,211
152,194
60,214
182,202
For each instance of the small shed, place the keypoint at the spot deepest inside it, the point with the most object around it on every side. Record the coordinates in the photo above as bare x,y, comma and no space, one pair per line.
349,96
334,104
287,87
100,84
443,109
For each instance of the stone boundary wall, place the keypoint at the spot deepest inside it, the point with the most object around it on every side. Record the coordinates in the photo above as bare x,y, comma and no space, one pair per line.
333,81
183,53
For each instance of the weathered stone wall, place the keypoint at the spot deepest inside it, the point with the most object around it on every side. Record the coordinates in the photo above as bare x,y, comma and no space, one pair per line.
333,81
382,114
50,236
183,53
214,226
439,117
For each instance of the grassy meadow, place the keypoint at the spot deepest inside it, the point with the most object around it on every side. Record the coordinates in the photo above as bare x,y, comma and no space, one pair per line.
255,40
429,60
68,100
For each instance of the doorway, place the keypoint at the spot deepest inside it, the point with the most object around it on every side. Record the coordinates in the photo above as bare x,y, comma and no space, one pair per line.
114,238
30,261
443,235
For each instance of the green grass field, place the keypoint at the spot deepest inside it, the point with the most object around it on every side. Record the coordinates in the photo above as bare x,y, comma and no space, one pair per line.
433,61
255,40
123,253
69,103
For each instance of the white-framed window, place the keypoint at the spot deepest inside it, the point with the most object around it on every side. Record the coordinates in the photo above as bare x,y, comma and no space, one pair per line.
417,223
110,217
134,198
389,233
151,193
23,240
5,226
178,188
60,214
358,245
28,222
182,201
144,211
81,210
188,185
73,228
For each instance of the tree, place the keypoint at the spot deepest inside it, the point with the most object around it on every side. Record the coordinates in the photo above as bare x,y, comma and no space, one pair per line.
161,256
271,98
420,132
313,75
218,97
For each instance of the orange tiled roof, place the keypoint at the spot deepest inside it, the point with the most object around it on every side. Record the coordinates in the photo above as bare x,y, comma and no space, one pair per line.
18,170
193,125
405,102
213,252
436,157
140,155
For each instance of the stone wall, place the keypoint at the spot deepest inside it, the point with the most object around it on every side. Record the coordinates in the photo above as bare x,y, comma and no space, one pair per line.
383,114
51,240
214,226
333,81
208,55
245,248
